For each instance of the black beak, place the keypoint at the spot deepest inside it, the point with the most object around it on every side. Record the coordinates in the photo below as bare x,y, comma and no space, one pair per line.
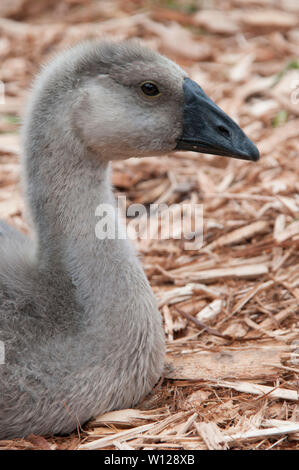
207,129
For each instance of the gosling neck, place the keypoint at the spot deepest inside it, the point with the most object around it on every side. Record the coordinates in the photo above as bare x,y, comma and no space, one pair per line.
64,189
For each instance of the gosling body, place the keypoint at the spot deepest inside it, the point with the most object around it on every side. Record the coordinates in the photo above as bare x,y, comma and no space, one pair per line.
78,319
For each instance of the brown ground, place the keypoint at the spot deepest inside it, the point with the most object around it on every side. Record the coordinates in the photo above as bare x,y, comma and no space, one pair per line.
234,384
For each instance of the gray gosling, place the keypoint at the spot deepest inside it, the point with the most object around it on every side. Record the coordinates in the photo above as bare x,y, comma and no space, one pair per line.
78,319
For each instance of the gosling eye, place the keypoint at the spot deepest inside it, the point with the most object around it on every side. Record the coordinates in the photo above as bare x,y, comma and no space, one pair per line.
150,89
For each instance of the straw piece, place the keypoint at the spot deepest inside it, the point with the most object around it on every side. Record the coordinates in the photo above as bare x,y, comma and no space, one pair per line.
228,363
246,272
107,441
262,433
240,234
210,311
255,389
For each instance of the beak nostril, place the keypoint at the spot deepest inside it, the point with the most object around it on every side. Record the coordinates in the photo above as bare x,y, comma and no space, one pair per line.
224,131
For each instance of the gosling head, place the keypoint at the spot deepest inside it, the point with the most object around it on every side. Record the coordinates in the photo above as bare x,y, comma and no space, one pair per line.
123,100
